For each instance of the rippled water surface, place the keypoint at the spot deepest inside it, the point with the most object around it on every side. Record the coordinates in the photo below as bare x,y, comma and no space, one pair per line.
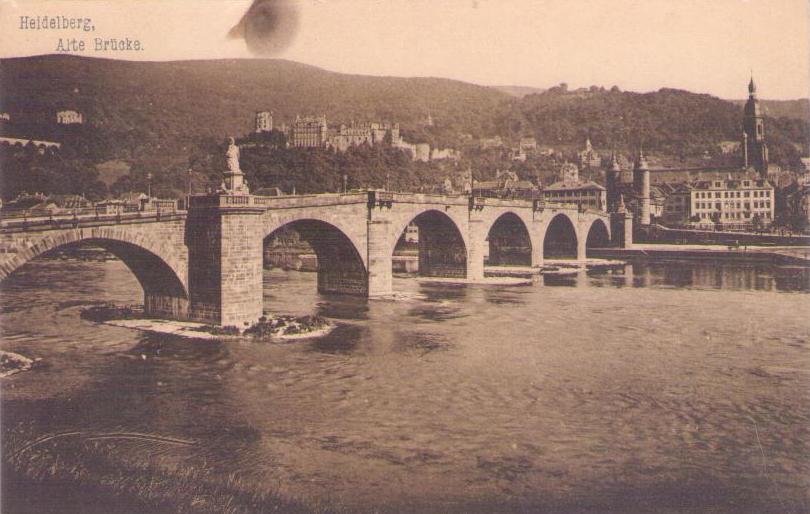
662,387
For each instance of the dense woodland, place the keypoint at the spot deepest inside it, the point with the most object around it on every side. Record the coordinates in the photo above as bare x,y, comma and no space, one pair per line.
166,118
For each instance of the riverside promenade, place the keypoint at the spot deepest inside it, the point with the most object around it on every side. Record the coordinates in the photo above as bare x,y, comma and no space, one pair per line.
789,255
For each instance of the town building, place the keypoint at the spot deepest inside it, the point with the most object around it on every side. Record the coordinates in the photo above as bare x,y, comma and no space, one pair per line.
677,208
734,204
69,118
264,121
588,158
573,191
506,185
797,203
309,132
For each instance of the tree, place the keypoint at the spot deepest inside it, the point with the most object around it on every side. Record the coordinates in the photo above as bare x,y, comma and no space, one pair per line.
756,222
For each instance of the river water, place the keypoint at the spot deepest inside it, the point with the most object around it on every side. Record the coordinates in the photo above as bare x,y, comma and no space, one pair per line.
667,387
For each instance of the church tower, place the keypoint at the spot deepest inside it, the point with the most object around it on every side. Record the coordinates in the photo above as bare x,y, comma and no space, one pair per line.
755,151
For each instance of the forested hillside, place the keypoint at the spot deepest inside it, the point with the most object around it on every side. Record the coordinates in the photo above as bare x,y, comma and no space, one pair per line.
164,117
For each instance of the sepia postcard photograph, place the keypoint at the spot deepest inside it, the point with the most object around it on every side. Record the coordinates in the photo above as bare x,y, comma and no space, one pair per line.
404,256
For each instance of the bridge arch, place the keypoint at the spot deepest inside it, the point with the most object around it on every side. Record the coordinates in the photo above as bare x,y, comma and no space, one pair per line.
598,235
510,242
160,273
341,267
560,239
442,244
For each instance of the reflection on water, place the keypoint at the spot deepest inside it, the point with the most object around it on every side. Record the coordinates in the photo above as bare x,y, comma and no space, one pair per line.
664,387
690,274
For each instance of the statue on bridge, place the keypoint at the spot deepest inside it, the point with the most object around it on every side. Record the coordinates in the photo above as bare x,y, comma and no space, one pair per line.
232,155
234,180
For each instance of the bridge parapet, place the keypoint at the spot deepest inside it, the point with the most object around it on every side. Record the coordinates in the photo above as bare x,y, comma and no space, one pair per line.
62,221
319,200
431,199
224,200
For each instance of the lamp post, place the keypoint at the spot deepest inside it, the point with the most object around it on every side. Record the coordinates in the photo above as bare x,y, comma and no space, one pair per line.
190,172
149,185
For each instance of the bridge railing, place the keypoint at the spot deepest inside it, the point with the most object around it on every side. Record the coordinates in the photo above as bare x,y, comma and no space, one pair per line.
85,219
314,200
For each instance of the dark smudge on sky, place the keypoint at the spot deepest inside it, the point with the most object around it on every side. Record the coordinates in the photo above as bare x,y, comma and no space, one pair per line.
268,26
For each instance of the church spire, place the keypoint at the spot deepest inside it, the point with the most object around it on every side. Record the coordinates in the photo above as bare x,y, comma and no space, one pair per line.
755,150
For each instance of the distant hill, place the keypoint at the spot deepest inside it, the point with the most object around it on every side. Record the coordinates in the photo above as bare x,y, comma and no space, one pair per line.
162,117
166,103
519,91
673,122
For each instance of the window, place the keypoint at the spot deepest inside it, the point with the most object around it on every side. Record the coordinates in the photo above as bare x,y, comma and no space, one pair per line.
747,194
717,195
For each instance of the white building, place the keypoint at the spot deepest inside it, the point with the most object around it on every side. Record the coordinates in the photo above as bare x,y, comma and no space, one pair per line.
735,204
69,118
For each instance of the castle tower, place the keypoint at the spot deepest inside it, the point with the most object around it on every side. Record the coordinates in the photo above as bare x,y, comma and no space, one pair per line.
612,180
641,181
264,121
755,150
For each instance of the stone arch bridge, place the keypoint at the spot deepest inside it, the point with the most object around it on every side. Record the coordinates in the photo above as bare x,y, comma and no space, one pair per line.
205,264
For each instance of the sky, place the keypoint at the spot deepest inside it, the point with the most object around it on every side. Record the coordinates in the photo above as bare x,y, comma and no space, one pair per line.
706,46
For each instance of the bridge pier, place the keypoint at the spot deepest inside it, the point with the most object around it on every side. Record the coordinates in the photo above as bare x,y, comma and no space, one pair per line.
224,242
537,232
582,247
380,275
162,306
475,251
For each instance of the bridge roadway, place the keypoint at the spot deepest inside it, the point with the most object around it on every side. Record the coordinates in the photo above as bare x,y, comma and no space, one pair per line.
205,264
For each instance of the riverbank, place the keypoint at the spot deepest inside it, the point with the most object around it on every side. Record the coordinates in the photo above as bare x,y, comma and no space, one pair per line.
753,254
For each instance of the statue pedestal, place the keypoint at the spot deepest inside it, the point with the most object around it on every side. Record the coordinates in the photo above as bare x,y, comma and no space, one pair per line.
224,239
